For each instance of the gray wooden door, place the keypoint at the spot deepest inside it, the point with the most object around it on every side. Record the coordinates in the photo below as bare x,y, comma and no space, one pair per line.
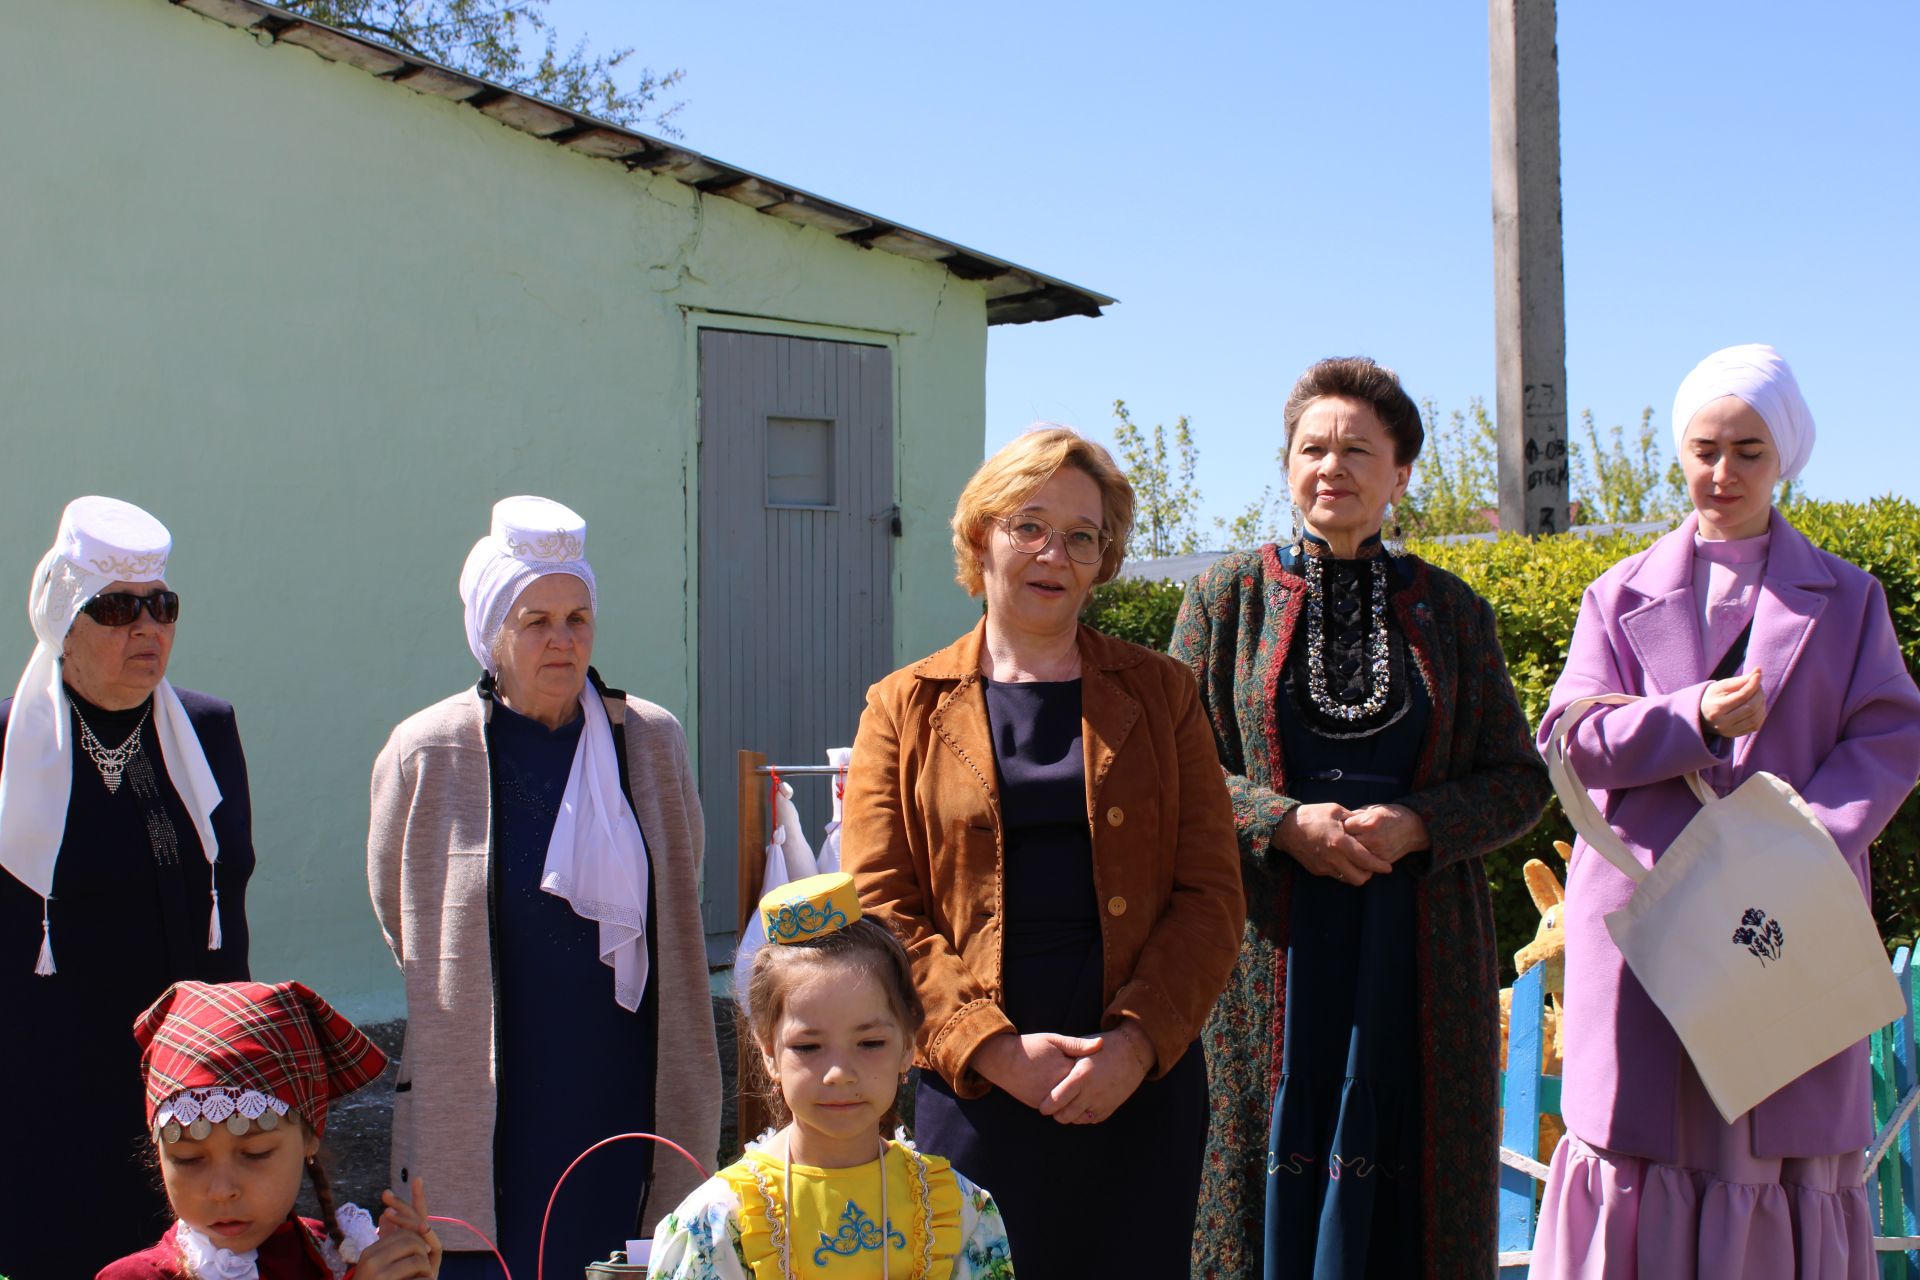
797,522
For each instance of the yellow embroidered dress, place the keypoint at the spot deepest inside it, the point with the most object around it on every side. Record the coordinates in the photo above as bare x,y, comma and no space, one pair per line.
736,1225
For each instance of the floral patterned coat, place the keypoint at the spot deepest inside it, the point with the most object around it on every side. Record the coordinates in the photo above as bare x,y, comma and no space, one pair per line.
1479,784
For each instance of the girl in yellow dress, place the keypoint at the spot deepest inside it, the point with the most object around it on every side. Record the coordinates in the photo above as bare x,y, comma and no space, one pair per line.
827,1197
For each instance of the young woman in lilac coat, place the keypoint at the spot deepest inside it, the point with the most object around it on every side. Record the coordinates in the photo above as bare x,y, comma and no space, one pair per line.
1751,650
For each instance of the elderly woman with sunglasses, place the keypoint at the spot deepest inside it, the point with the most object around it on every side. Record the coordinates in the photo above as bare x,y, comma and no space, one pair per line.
1038,812
126,832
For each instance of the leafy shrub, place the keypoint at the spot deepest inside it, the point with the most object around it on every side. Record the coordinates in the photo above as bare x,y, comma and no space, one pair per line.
1136,609
1535,588
1883,537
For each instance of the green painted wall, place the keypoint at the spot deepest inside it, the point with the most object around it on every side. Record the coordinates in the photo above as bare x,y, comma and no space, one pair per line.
317,323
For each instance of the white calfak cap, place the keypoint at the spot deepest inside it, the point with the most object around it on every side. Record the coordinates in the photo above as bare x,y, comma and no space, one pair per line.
530,538
114,540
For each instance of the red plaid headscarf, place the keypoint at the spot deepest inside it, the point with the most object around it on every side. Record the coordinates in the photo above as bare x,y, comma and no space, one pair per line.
278,1039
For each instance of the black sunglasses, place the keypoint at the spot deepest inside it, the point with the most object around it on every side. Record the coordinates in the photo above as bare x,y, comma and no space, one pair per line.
120,608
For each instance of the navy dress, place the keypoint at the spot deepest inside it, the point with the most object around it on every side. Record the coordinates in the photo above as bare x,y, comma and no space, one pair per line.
129,917
574,1067
1343,1156
1111,1199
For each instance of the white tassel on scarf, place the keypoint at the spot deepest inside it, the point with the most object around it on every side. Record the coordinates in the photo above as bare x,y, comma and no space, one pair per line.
44,965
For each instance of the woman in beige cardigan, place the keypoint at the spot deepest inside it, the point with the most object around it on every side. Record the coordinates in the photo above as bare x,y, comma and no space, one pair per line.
534,860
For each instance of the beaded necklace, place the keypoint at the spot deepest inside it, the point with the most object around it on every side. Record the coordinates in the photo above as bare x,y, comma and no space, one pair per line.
112,762
1377,650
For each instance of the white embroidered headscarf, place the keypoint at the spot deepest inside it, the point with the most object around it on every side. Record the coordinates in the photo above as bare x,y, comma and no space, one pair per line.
596,858
1756,374
100,541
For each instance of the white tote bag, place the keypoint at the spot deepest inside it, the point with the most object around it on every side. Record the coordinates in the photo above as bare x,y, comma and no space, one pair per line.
1750,932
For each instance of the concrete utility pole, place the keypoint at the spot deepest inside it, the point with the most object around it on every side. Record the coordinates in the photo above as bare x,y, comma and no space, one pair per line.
1529,294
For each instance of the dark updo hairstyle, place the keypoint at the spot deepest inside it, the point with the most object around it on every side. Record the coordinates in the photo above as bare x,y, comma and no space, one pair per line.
1359,378
779,967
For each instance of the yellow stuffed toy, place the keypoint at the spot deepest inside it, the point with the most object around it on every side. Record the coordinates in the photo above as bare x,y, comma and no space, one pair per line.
1548,948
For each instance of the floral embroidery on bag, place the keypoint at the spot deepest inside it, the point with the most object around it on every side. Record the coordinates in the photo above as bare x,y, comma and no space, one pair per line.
1762,936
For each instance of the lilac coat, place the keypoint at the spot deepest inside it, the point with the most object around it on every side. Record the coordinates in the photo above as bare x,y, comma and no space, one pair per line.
1842,726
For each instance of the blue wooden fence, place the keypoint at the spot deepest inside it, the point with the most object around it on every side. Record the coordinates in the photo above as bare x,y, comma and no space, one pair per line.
1892,1192
1525,1096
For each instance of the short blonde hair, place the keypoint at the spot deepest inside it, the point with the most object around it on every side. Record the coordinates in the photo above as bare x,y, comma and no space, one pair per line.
1006,480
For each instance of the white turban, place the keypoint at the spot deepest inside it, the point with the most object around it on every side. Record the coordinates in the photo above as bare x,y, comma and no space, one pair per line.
1757,375
531,537
100,541
596,857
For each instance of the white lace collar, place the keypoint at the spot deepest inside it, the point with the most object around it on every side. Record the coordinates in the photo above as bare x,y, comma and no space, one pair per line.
208,1261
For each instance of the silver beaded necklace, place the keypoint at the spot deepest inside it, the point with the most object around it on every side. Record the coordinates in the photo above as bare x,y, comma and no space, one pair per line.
1378,660
112,762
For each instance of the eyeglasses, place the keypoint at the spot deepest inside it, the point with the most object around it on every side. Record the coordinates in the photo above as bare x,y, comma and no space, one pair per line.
120,608
1030,535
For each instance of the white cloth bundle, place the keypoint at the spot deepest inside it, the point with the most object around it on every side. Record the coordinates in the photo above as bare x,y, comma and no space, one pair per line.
790,836
829,856
754,936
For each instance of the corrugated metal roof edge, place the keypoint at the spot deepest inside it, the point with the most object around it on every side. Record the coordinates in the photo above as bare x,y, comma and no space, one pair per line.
1015,294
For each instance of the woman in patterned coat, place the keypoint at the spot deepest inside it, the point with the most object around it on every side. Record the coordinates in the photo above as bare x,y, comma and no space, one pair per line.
1375,752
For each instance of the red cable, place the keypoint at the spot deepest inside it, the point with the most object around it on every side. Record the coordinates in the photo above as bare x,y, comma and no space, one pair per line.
540,1258
491,1246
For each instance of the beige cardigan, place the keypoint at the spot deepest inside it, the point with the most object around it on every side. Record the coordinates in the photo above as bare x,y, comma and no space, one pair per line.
427,852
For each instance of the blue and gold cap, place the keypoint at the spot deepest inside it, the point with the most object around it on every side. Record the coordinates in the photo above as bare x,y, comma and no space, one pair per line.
809,907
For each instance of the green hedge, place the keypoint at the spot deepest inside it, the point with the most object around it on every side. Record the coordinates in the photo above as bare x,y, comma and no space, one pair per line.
1535,589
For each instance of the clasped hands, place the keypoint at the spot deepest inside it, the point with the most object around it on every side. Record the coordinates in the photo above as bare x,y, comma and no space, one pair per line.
1352,845
1074,1079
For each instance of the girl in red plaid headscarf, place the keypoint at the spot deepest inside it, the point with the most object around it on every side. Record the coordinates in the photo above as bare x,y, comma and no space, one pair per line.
238,1078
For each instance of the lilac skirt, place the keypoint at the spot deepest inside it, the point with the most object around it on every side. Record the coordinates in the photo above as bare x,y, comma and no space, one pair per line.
1721,1213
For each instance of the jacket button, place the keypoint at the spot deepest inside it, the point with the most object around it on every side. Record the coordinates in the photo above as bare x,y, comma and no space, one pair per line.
1114,819
1116,906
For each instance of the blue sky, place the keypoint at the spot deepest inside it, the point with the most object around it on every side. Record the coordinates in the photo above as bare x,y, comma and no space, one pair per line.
1262,185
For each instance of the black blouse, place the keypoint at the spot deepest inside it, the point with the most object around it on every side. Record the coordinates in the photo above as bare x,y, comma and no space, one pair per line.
131,897
1348,642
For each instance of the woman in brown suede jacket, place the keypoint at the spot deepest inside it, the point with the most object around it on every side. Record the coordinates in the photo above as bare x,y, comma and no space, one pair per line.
1038,811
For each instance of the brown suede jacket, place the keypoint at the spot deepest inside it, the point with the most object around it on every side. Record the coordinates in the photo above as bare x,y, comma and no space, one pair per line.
922,836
